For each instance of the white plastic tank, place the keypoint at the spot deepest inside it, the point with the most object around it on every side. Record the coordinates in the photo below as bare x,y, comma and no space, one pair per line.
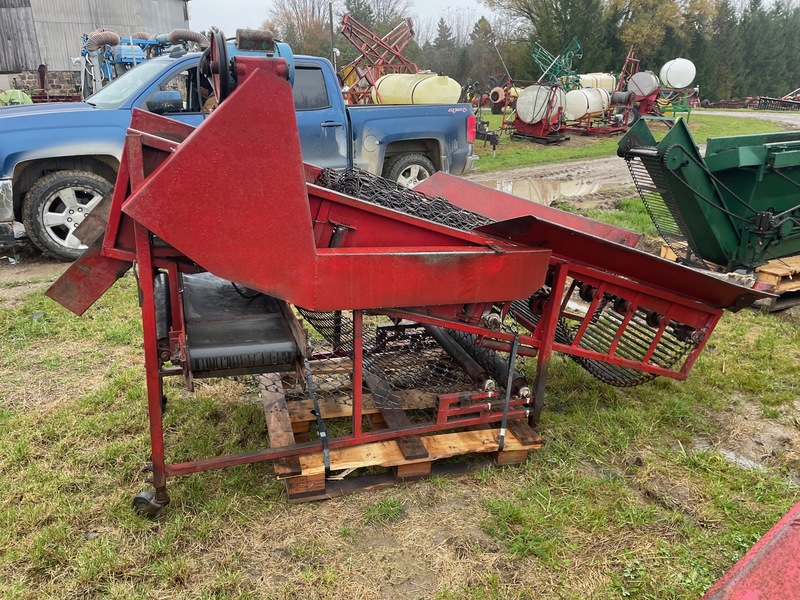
643,83
604,81
540,102
580,103
678,73
417,88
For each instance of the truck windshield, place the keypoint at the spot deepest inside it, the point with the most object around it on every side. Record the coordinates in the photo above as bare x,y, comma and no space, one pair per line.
118,91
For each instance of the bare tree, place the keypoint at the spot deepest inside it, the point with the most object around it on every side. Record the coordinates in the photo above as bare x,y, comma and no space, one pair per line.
387,11
304,24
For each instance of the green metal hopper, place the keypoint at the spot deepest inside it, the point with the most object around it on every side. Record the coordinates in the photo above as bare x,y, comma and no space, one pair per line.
737,208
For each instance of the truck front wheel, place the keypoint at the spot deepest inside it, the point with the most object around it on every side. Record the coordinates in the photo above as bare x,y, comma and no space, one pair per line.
409,169
56,205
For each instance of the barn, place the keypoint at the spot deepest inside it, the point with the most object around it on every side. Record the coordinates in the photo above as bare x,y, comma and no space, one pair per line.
34,32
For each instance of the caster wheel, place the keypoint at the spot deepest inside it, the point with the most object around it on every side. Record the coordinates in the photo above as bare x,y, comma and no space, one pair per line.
145,504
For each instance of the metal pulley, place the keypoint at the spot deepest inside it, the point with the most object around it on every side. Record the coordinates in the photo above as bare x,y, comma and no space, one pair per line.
216,66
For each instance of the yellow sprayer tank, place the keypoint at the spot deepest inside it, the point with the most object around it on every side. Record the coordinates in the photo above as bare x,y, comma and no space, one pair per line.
603,81
417,88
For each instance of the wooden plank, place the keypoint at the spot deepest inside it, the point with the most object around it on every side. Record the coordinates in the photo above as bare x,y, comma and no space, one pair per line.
525,433
331,408
510,457
411,445
376,481
412,471
279,425
781,266
781,273
388,454
306,487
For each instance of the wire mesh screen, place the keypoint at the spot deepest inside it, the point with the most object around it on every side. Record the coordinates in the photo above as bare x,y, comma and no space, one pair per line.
653,187
604,324
399,358
375,190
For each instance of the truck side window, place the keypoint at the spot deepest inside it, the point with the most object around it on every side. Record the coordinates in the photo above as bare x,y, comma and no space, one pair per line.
185,83
309,89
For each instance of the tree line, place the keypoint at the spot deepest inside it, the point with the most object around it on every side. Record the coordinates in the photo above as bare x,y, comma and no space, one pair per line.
739,47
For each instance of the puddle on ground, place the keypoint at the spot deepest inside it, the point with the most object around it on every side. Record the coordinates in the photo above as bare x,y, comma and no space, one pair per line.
543,191
729,455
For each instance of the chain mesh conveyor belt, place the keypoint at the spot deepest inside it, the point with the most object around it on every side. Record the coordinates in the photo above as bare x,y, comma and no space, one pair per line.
410,361
603,326
644,164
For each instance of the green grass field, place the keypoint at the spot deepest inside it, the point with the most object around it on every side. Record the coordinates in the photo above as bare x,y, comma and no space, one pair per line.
521,153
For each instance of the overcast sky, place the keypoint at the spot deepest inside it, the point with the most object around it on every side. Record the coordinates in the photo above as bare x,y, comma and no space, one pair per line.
230,15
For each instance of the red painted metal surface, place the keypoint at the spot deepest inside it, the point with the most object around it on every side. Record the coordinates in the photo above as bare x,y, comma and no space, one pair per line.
584,248
262,218
87,279
500,206
770,570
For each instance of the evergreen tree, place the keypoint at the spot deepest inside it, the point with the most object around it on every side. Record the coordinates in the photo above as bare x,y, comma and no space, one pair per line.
361,11
444,36
726,53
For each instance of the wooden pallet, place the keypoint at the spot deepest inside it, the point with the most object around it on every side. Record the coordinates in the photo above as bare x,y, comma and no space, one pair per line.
405,459
782,273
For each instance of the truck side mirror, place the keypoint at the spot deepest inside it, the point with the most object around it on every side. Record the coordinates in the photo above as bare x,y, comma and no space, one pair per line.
165,101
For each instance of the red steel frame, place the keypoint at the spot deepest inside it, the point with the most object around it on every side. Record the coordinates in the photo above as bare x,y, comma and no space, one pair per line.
379,56
274,230
546,129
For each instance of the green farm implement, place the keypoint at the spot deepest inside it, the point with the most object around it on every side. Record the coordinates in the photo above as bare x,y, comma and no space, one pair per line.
736,209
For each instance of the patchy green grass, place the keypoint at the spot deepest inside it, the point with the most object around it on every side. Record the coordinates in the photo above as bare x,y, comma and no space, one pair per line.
637,492
520,153
385,511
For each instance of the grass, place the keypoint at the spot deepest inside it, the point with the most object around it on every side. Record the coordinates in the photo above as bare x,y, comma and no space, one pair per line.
634,495
621,502
512,154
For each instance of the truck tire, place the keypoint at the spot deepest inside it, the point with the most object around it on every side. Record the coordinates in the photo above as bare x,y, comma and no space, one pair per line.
409,169
56,205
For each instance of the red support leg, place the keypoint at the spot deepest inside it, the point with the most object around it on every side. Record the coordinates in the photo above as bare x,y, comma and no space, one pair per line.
549,324
147,502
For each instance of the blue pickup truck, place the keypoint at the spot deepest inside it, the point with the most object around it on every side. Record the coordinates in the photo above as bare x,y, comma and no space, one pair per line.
58,160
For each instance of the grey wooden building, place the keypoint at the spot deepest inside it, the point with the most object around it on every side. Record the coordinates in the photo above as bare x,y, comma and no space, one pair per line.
33,32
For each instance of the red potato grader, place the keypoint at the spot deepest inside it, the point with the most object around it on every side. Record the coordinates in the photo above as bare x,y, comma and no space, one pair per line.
414,317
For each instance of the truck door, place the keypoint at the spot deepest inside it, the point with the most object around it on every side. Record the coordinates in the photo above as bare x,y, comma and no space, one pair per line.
321,121
179,97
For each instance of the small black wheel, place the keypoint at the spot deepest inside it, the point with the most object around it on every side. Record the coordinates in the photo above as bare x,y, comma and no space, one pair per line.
409,169
145,504
633,116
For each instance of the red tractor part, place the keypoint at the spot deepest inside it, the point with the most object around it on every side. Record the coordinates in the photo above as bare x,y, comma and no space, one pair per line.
537,117
456,285
379,57
770,570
